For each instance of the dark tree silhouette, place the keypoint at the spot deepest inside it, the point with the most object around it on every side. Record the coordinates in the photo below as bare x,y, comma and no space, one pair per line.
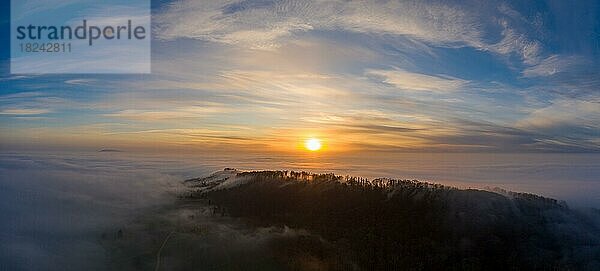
409,225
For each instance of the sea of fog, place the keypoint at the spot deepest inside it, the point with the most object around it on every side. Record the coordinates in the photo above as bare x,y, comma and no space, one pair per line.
54,206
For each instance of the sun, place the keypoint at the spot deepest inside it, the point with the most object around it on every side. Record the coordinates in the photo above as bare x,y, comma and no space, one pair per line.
312,144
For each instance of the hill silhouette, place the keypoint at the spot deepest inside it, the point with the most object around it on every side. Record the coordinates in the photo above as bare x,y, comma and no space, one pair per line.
387,224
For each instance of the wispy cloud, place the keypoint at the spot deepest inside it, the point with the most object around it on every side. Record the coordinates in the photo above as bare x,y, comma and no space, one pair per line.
263,26
554,64
32,103
81,82
417,81
24,111
515,36
269,24
566,112
191,112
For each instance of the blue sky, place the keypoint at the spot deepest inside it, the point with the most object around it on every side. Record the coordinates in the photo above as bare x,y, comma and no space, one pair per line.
493,76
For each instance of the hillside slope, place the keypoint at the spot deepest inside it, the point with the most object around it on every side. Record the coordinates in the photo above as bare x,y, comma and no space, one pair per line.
386,224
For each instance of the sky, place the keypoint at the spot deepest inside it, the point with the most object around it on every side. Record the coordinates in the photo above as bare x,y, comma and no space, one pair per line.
362,76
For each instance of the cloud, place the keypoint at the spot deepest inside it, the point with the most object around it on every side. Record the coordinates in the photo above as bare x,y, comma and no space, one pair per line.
81,82
513,42
565,112
273,86
516,32
417,81
30,103
553,64
20,95
269,24
14,77
24,111
190,112
263,25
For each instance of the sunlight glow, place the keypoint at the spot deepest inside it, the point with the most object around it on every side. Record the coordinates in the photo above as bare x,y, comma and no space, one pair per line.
312,144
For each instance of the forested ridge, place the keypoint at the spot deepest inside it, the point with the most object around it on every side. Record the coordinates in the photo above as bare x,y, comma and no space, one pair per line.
386,224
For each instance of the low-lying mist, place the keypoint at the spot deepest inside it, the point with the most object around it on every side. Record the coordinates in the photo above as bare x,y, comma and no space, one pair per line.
113,210
53,208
